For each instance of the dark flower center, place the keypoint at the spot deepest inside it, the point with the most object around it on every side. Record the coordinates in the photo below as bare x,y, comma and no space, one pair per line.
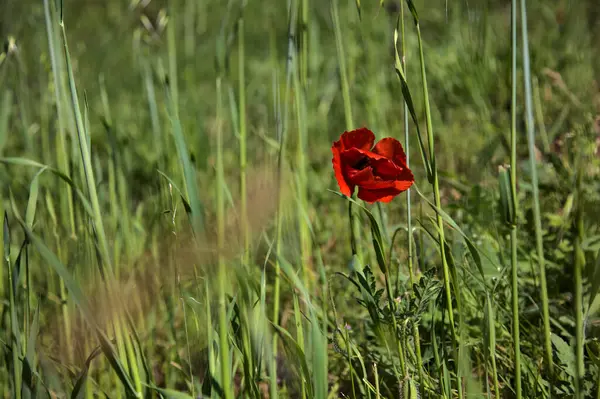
360,165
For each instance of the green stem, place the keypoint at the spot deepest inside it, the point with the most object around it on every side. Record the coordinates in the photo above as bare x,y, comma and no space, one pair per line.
349,360
301,150
579,267
345,95
282,132
222,273
417,339
438,204
515,204
243,134
14,341
407,151
536,195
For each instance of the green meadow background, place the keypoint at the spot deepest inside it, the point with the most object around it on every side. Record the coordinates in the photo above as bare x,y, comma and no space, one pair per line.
172,226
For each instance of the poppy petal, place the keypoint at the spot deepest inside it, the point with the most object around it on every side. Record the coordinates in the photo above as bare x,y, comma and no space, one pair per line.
361,138
405,179
386,169
339,175
360,177
353,156
385,194
391,148
377,195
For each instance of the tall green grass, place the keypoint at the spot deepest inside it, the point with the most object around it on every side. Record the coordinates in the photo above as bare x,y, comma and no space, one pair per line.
175,233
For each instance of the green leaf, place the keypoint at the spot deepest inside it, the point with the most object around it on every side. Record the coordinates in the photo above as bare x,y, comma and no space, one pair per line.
506,202
189,174
30,377
595,285
6,237
32,201
170,393
566,354
5,118
186,204
591,243
358,10
78,390
413,11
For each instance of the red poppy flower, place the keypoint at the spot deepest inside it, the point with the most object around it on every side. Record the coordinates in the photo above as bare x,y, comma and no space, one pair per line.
380,172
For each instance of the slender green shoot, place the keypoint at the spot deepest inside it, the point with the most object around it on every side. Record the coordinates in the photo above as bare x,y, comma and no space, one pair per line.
243,133
537,218
226,381
515,204
579,264
437,197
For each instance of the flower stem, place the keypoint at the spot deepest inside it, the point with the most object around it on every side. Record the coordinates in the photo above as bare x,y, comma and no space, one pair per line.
513,182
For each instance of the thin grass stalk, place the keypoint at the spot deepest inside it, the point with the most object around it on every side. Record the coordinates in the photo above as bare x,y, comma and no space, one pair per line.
302,187
212,367
515,204
354,221
342,65
172,57
243,134
23,101
98,225
399,344
189,173
491,344
64,307
62,156
438,203
349,360
435,184
250,376
282,132
189,28
318,338
132,360
272,364
420,369
302,208
118,190
406,118
579,263
539,114
411,274
226,381
298,316
87,163
304,5
15,337
153,109
187,339
27,315
536,194
376,378
29,220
